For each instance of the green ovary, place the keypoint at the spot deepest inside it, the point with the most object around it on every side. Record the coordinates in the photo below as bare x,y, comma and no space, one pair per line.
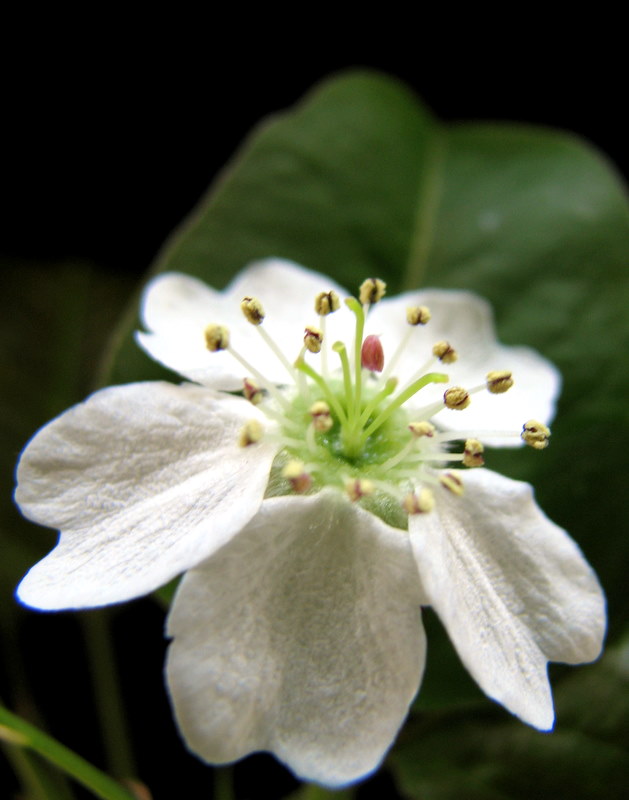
344,453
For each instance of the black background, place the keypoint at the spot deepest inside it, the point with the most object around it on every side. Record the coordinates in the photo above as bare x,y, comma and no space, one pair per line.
111,140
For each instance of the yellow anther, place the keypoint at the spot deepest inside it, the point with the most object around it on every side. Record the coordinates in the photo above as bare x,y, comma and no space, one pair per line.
418,315
216,337
421,429
250,433
252,392
313,339
295,472
252,308
445,352
452,483
372,291
321,417
456,398
499,381
357,488
419,502
473,453
326,303
535,434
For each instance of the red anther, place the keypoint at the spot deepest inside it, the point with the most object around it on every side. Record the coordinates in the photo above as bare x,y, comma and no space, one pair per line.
372,354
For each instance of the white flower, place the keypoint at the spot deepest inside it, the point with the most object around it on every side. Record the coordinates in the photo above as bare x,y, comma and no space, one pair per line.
315,520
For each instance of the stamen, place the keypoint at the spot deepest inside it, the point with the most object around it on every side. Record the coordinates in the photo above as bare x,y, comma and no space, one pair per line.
452,483
296,474
372,291
216,337
250,433
415,315
422,429
270,387
440,457
456,436
420,502
276,350
499,382
326,303
357,488
321,418
372,354
401,455
251,307
535,434
445,352
473,453
252,392
456,398
418,315
313,338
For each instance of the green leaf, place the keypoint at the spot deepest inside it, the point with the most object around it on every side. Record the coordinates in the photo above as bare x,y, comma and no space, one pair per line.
482,755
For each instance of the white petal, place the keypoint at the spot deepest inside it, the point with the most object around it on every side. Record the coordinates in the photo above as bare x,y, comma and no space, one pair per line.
466,321
177,308
512,589
144,481
302,636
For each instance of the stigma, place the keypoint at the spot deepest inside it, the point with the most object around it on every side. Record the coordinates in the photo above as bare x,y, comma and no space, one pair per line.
346,418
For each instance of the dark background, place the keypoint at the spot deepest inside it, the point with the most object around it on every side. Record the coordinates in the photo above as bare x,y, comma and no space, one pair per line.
109,146
110,140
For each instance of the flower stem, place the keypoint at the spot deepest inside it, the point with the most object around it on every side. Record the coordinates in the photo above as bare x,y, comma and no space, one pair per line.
36,777
313,791
96,628
20,733
223,783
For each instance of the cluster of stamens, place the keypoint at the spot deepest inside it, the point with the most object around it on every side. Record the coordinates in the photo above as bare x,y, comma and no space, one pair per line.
347,427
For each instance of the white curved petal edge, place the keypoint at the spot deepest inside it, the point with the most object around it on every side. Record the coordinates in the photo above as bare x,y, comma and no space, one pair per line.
143,481
177,308
302,637
512,588
466,321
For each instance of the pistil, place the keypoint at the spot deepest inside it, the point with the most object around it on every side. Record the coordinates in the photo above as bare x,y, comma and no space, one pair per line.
431,377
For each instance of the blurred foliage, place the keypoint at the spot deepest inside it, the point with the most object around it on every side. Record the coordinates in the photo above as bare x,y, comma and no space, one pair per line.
486,756
360,179
54,324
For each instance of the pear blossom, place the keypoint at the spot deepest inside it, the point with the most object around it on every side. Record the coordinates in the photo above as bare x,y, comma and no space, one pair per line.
310,481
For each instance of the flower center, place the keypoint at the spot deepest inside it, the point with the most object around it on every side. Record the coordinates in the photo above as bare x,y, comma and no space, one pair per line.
343,419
